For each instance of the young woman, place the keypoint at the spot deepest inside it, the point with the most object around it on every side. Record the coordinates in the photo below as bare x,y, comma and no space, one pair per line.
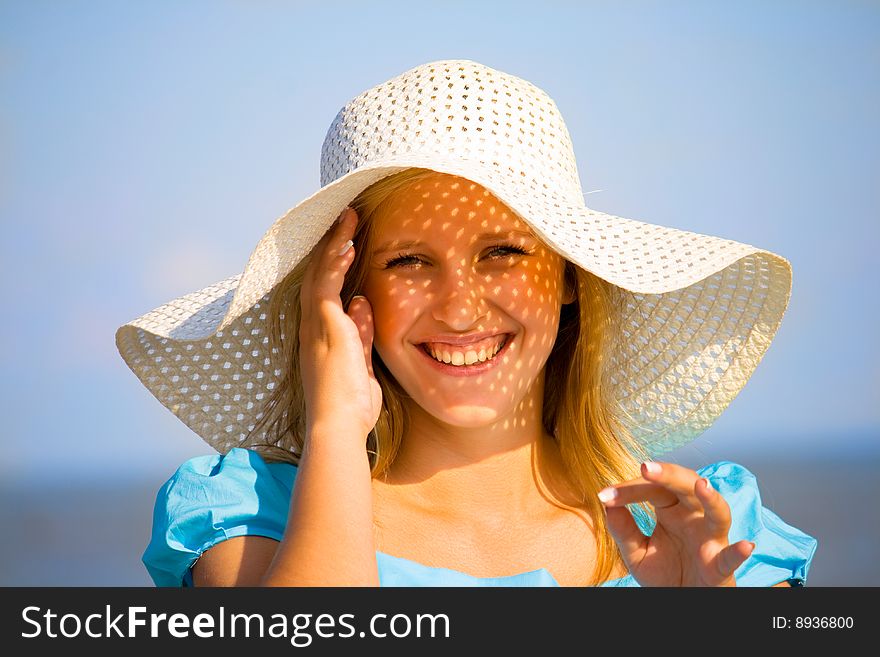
464,380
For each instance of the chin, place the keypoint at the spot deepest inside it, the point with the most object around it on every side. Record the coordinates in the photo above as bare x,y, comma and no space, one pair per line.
467,417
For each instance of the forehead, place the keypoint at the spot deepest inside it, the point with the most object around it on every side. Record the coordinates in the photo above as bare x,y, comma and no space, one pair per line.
443,204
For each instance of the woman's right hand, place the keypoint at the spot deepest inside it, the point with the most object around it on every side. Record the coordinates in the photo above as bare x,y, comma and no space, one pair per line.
335,348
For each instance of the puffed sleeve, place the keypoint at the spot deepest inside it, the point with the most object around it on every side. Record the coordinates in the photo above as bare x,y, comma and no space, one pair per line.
782,552
210,499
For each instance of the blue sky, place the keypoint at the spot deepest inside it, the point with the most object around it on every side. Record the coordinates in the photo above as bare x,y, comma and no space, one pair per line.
146,147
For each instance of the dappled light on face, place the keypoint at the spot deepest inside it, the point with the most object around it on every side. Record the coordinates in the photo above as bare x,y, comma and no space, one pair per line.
450,260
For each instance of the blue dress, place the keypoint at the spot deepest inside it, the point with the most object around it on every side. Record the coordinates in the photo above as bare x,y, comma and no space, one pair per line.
212,498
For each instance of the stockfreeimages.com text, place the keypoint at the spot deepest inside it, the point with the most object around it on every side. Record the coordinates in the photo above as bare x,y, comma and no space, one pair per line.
300,629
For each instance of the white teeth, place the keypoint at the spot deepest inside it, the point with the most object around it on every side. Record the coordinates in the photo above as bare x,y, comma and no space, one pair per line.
469,357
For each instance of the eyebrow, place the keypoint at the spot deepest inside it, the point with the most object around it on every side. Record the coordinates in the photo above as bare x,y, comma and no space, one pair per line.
399,245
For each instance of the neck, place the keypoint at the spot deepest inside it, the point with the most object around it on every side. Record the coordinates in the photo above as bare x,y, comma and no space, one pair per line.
493,470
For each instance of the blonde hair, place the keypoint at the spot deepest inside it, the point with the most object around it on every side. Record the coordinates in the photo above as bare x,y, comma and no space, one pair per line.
579,411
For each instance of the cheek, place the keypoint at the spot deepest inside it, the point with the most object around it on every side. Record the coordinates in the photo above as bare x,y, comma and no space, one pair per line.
537,289
540,312
394,301
552,281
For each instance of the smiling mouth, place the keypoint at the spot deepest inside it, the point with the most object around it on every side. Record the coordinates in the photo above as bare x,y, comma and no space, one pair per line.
464,356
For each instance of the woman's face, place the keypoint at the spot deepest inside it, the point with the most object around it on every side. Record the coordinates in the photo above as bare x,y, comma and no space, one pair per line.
455,273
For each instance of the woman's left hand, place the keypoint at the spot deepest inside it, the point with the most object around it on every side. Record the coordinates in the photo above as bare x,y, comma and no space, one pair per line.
689,545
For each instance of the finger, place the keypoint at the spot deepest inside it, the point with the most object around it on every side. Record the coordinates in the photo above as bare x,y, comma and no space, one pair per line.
318,261
676,478
626,533
361,314
635,491
732,557
715,508
334,257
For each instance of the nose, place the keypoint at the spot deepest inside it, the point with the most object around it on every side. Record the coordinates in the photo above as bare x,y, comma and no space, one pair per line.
461,301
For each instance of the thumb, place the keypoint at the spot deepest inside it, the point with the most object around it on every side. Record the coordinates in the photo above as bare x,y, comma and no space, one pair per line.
361,314
626,533
732,557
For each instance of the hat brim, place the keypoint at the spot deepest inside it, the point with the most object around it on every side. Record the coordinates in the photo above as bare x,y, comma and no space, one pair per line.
698,312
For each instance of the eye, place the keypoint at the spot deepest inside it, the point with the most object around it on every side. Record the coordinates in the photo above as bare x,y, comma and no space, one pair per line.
500,249
495,252
401,260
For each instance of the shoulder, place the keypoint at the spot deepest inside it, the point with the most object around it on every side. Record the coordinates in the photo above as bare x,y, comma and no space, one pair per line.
240,478
210,499
237,465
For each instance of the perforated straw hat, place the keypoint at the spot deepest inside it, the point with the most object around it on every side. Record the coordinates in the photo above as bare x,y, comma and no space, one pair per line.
698,312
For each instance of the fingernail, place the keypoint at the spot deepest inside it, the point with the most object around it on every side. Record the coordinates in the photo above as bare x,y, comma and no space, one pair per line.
652,467
607,495
346,247
752,543
707,483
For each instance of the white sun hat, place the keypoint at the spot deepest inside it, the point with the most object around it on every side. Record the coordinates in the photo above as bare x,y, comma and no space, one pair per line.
697,312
